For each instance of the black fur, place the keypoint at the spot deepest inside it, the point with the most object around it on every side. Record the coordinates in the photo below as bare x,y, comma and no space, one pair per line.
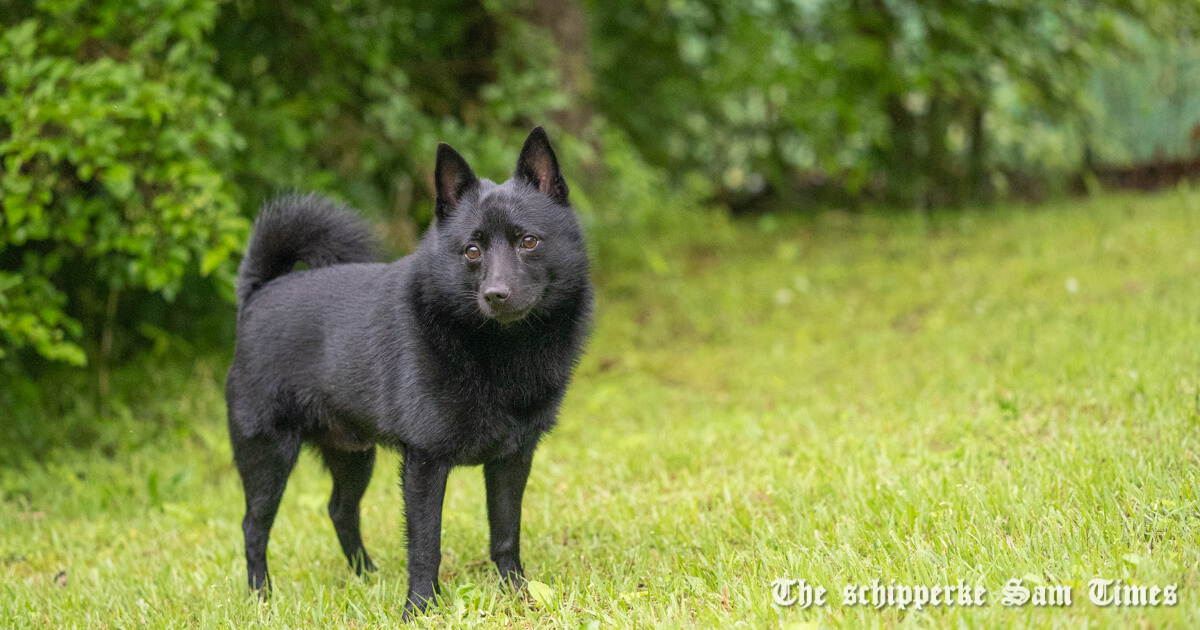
302,228
450,360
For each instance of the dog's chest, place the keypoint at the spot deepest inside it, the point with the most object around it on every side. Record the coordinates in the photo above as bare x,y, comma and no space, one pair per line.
497,416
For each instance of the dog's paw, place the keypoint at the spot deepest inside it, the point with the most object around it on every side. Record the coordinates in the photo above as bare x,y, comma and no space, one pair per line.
260,587
416,604
363,565
514,578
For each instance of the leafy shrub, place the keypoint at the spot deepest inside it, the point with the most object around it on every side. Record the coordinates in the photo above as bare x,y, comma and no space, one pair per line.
352,98
921,102
113,134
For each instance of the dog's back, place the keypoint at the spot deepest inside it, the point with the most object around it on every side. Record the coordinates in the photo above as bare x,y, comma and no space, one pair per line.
280,372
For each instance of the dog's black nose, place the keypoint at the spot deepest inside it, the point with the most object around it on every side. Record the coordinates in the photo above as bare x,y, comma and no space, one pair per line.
495,295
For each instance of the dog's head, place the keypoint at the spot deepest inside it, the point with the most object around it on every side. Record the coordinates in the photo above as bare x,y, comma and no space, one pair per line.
507,251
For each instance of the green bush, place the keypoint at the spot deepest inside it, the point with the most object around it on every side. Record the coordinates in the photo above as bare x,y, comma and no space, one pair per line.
113,135
922,103
352,98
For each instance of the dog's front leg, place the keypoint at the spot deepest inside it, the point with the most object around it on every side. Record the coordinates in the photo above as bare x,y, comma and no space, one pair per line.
505,480
424,485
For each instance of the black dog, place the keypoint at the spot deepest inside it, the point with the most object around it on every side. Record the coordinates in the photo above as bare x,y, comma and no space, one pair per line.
458,354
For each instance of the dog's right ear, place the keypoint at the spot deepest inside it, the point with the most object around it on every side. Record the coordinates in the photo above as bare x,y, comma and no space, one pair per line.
454,180
538,167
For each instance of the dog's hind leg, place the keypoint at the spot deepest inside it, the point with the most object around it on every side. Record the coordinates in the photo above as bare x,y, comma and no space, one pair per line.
351,472
264,461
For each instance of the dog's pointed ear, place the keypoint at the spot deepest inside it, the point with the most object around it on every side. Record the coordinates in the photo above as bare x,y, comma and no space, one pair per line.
453,179
538,167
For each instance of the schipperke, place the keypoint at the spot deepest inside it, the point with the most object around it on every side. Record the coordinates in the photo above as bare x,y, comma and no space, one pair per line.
456,355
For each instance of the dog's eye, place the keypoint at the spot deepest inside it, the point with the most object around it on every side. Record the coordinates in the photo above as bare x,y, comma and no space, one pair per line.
473,252
529,242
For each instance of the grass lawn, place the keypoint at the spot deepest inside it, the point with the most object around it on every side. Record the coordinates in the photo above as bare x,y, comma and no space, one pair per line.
979,396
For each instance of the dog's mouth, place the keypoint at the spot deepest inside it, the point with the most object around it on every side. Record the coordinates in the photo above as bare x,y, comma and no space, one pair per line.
505,314
510,317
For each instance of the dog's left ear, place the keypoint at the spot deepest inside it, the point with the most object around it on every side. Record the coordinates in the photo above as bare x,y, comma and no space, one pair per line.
453,179
538,167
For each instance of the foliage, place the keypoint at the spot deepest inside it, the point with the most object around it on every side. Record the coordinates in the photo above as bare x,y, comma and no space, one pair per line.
136,138
981,395
921,102
112,140
352,98
1149,109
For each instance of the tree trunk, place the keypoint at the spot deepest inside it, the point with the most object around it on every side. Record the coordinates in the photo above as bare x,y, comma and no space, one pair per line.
872,19
978,187
566,21
939,184
901,157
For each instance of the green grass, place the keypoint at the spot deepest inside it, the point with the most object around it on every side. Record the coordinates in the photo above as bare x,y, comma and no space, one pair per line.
976,396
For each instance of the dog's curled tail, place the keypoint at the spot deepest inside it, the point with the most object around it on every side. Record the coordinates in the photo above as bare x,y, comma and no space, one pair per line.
302,228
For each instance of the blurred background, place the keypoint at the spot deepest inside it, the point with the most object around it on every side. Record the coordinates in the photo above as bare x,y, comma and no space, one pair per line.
139,137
